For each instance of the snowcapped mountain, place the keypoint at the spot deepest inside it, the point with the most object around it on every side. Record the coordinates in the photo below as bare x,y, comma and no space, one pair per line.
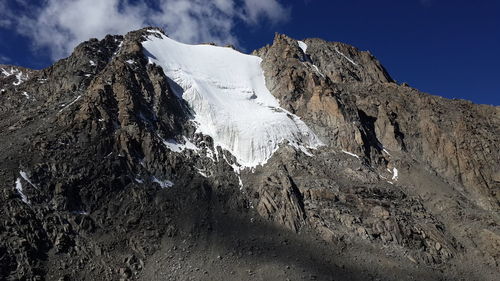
226,91
142,158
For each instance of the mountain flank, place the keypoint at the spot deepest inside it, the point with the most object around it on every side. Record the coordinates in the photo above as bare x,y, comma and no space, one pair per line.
141,158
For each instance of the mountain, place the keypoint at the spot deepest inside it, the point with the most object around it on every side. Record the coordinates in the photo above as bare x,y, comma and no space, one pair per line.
142,158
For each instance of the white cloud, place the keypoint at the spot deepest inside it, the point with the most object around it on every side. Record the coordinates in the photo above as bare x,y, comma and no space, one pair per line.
5,23
61,24
257,9
198,20
4,59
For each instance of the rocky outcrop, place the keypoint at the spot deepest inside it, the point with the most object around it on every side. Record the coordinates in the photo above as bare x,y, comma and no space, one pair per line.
281,201
456,139
367,113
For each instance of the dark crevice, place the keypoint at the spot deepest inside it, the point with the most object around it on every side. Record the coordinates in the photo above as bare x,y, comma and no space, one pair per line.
398,135
369,136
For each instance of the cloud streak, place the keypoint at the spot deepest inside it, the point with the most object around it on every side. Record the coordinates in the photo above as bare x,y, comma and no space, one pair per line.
4,59
60,25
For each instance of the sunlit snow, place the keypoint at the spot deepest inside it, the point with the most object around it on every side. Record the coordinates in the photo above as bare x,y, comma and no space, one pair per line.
394,173
317,70
346,57
26,178
303,46
202,173
350,153
75,100
226,91
19,188
175,146
162,183
20,76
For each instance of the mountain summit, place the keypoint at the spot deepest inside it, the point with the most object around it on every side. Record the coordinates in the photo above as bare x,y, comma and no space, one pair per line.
142,158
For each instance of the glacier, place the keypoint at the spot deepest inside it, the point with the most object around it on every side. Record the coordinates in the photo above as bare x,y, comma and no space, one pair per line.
226,92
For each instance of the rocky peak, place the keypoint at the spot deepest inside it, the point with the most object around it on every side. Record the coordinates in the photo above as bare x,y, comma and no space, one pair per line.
340,62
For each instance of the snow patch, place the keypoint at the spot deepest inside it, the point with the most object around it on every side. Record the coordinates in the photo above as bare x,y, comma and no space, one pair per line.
75,100
20,76
26,95
317,70
226,91
237,170
92,63
118,48
26,178
346,57
189,145
240,182
350,153
19,188
162,183
302,45
130,61
301,148
155,31
175,146
395,174
202,173
210,154
314,67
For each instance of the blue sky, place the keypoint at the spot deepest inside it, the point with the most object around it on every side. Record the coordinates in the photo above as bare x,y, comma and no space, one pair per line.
443,47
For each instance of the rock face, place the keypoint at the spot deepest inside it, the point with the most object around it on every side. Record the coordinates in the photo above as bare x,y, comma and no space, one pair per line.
104,176
451,137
